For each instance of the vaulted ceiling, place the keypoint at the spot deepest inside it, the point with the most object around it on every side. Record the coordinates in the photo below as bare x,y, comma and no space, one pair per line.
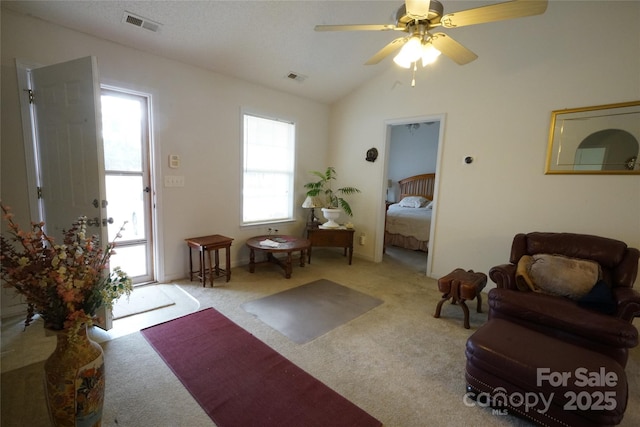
259,41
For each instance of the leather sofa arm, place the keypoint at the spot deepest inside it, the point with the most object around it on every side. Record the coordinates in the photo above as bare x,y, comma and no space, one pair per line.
626,272
561,315
504,276
628,303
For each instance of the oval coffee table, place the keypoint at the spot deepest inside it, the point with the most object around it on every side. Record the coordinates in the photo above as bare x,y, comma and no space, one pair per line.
286,245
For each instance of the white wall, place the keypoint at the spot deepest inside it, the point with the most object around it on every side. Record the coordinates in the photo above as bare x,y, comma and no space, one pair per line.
196,115
497,109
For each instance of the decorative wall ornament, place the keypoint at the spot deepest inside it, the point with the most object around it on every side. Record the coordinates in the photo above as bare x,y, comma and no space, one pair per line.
372,154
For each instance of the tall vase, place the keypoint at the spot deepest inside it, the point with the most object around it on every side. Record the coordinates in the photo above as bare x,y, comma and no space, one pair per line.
74,381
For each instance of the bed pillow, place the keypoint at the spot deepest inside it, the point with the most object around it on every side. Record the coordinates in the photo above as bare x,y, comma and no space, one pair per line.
414,202
560,275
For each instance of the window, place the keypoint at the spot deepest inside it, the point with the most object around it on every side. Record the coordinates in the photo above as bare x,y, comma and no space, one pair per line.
268,170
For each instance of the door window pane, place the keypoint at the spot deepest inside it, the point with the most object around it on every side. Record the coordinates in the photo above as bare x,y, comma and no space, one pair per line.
125,196
121,129
131,259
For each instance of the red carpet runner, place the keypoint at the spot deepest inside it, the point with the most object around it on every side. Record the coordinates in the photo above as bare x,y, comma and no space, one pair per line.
240,381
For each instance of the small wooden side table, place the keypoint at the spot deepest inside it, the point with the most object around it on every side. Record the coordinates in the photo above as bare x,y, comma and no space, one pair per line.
331,237
460,286
205,245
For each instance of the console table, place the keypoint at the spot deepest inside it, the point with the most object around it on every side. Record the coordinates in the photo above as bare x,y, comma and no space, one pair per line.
331,237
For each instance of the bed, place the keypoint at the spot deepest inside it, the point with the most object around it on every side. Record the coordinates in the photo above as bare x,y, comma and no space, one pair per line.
408,222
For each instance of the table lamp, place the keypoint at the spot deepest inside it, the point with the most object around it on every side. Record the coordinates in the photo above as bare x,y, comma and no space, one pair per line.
312,203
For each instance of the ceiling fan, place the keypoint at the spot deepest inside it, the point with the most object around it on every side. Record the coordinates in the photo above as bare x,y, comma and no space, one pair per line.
418,17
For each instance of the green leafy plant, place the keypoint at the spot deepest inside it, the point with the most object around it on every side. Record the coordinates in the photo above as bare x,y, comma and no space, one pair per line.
329,198
65,283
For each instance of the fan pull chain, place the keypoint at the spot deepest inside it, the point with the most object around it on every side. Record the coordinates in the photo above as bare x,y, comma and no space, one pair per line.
413,76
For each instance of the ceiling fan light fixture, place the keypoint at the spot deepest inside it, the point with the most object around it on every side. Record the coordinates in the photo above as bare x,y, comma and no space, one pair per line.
429,54
410,52
402,62
418,17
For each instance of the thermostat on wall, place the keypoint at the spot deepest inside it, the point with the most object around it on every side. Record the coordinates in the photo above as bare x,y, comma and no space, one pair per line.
174,161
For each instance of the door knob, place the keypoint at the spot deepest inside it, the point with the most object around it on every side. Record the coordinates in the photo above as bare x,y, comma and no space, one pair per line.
107,221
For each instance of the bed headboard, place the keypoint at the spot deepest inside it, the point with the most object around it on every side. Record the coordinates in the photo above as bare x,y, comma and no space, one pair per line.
418,185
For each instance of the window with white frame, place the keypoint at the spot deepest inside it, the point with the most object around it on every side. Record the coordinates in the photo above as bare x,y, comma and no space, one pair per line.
268,169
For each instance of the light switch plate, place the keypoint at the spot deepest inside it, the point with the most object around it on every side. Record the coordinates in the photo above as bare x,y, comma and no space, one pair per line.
173,181
174,161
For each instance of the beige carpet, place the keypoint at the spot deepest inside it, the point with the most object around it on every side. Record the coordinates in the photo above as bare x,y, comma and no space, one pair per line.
397,362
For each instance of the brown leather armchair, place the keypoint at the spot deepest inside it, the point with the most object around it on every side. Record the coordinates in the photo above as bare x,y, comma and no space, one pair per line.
529,331
619,264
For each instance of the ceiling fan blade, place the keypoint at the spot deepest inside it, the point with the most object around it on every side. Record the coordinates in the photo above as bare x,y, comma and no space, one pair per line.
452,49
418,9
385,51
494,12
365,27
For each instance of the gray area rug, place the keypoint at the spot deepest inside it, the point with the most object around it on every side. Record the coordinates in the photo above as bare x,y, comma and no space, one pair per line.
309,311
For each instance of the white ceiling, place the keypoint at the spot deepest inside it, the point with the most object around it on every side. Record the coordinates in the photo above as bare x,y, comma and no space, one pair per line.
258,41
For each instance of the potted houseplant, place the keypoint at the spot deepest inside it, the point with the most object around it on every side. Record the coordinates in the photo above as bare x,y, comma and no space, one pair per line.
331,200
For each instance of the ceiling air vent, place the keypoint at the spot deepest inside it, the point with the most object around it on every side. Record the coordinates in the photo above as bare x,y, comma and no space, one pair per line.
139,21
296,76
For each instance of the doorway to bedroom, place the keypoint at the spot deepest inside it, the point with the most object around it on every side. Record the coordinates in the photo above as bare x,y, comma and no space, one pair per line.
413,148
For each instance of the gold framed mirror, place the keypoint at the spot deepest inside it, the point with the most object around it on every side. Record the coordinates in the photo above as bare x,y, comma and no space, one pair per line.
604,139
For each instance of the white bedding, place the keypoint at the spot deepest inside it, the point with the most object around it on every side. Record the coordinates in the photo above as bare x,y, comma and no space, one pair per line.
414,222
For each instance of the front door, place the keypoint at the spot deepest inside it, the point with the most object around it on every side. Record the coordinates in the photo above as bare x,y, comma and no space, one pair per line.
69,149
68,138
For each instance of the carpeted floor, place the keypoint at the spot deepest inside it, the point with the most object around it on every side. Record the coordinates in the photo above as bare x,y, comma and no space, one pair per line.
306,312
397,362
242,382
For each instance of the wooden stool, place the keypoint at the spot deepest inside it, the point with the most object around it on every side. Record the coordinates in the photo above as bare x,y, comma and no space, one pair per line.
206,244
459,286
